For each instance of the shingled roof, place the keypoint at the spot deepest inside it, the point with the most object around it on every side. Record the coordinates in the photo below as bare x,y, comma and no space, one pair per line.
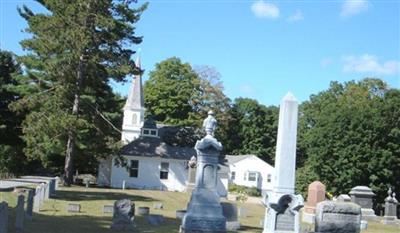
155,147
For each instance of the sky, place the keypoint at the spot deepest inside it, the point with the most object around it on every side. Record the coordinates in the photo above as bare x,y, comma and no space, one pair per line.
261,48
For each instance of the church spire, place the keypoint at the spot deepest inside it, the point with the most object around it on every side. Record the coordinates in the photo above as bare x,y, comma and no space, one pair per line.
135,98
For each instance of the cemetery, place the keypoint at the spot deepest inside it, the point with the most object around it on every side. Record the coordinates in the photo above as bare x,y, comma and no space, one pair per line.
276,125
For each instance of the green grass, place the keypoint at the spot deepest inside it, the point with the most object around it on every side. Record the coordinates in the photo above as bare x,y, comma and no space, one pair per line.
53,218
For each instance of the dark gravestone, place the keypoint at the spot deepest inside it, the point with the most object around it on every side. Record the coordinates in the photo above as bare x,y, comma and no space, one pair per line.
143,211
230,212
29,204
74,208
155,219
108,209
124,214
363,196
3,217
285,221
337,217
20,213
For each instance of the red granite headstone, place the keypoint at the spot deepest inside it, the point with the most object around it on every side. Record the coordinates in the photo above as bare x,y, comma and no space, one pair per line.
316,194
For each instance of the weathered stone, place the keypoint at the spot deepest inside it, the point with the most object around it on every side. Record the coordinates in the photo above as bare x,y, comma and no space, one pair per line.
29,204
108,209
242,212
143,211
74,208
3,217
362,195
179,214
204,212
343,198
36,199
124,214
391,203
158,206
282,204
337,217
155,219
20,213
230,211
316,194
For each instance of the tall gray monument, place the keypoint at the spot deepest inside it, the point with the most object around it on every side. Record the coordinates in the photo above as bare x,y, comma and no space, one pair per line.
391,203
282,213
204,212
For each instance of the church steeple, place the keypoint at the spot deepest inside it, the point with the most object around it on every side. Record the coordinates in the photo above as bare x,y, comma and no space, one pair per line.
135,98
133,109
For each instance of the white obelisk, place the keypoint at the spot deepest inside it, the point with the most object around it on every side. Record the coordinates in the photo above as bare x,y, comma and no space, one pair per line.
285,156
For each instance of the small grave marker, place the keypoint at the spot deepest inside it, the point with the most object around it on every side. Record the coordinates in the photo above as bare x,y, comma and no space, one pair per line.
108,209
74,208
143,211
155,219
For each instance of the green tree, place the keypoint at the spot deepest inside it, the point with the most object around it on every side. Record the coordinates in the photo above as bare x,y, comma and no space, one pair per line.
349,137
171,92
253,129
12,160
76,48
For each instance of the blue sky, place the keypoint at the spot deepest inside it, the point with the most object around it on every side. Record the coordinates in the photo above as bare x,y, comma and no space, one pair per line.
261,48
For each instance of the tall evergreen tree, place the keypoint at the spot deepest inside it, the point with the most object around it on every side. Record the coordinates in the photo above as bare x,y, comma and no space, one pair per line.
76,48
12,159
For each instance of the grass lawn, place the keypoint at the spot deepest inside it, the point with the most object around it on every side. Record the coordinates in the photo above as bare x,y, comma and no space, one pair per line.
53,218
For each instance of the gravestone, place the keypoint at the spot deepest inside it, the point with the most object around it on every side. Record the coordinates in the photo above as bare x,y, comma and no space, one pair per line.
230,212
343,198
179,214
191,174
108,209
337,217
362,195
204,211
391,203
36,200
143,211
124,215
155,219
282,213
20,213
158,206
316,194
74,208
3,217
29,204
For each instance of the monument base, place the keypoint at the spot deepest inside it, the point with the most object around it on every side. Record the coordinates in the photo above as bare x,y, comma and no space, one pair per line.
368,214
182,230
308,217
390,220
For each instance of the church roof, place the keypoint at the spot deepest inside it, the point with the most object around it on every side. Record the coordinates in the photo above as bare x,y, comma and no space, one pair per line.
155,147
135,98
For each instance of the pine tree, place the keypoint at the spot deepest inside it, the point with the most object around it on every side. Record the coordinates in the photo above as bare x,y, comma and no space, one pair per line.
76,48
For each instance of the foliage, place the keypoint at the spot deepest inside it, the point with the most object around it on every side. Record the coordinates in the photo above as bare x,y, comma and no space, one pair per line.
12,160
251,191
76,48
253,129
351,137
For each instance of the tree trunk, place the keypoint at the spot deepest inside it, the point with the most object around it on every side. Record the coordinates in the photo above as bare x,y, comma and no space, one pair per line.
71,146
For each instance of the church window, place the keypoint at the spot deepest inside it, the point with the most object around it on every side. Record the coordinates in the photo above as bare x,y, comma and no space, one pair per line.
164,171
134,169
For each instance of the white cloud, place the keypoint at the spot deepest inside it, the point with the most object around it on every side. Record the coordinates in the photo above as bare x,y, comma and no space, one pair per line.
353,7
326,61
262,9
369,64
297,16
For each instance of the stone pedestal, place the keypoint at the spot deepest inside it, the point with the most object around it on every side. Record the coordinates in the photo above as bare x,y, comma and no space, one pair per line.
282,213
333,217
316,194
204,212
362,195
191,179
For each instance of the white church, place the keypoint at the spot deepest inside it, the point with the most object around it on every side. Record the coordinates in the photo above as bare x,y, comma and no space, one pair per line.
154,164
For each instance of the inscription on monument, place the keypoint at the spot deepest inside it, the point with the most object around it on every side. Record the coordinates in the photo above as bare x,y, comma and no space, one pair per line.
285,221
209,176
333,217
